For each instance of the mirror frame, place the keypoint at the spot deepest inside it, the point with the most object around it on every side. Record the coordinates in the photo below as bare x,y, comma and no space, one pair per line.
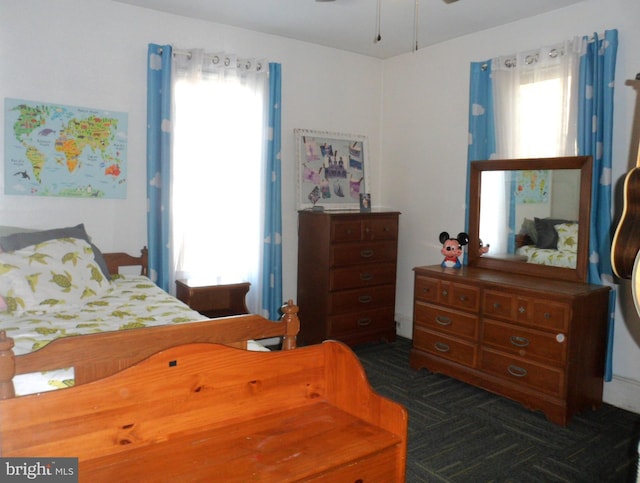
474,259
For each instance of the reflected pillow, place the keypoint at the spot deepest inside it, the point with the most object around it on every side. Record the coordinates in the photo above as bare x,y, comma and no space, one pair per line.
567,237
547,234
529,228
20,240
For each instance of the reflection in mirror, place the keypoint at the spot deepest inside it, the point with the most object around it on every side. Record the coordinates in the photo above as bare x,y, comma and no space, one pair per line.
534,215
531,215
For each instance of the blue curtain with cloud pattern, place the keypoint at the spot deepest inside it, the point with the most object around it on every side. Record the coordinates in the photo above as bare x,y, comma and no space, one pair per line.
159,162
272,249
595,138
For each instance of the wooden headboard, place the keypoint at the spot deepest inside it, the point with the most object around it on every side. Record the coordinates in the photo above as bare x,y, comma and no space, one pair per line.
121,259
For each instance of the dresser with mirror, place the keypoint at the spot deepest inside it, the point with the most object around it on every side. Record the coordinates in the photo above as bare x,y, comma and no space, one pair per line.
520,319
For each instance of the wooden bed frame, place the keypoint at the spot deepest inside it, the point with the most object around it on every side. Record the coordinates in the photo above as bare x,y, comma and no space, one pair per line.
205,412
94,356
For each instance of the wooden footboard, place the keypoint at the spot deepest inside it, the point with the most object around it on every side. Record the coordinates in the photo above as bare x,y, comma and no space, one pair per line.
98,355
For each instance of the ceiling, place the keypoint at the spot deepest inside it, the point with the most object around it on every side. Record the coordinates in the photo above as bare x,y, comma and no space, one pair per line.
351,25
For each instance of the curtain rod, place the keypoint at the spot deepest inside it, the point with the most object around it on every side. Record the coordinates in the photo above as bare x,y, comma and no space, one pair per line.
188,54
245,63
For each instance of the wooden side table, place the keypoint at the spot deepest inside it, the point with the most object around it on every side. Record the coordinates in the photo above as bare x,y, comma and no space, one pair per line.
213,300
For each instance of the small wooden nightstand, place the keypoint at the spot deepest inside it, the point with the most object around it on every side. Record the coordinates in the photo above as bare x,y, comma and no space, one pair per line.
213,300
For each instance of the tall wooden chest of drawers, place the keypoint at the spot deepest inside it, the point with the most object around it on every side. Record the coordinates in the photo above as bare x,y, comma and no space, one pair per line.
347,275
538,341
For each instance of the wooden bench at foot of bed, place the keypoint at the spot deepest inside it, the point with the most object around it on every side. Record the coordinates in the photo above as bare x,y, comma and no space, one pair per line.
205,412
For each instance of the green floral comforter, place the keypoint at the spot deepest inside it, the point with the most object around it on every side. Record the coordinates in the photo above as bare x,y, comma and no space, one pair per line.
131,302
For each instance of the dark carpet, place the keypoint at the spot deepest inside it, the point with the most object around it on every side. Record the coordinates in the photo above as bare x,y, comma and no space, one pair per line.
459,433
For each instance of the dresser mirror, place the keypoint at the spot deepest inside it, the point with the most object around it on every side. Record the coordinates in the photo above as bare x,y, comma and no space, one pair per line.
533,214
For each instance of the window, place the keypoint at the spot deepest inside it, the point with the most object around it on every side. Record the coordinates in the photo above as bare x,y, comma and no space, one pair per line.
542,109
535,112
217,176
535,103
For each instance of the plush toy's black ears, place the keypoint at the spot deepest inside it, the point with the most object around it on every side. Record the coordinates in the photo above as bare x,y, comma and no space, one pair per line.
444,236
463,238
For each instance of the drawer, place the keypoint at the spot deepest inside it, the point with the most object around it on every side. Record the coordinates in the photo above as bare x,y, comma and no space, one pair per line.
345,230
361,321
366,227
465,297
546,346
498,304
380,228
353,253
549,380
362,276
438,344
436,318
456,295
426,289
460,296
537,312
551,315
362,299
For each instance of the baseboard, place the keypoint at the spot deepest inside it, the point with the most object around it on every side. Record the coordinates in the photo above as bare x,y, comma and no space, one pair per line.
404,326
623,393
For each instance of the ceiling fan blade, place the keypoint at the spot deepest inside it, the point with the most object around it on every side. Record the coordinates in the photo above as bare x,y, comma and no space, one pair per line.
449,1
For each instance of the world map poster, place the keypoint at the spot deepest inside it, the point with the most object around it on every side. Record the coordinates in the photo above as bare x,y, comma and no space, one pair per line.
65,151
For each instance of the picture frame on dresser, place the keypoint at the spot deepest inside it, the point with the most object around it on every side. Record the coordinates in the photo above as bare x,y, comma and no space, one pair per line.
331,169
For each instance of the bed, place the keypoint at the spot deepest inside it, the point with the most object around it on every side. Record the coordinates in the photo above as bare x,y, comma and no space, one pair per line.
547,241
70,317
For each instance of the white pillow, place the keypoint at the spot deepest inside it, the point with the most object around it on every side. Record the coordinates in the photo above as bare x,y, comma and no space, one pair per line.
53,273
567,237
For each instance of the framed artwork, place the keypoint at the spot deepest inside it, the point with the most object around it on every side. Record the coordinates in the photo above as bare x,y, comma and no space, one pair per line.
331,169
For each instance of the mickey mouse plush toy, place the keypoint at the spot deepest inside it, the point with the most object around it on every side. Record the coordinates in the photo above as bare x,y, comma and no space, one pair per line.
452,249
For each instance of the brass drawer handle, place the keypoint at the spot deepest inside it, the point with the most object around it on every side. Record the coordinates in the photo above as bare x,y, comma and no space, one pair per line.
366,253
426,289
364,322
547,315
445,293
517,371
519,341
463,298
522,310
364,299
442,347
442,320
366,276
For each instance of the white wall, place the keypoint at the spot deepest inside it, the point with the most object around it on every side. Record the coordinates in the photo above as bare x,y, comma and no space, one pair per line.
92,53
425,119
